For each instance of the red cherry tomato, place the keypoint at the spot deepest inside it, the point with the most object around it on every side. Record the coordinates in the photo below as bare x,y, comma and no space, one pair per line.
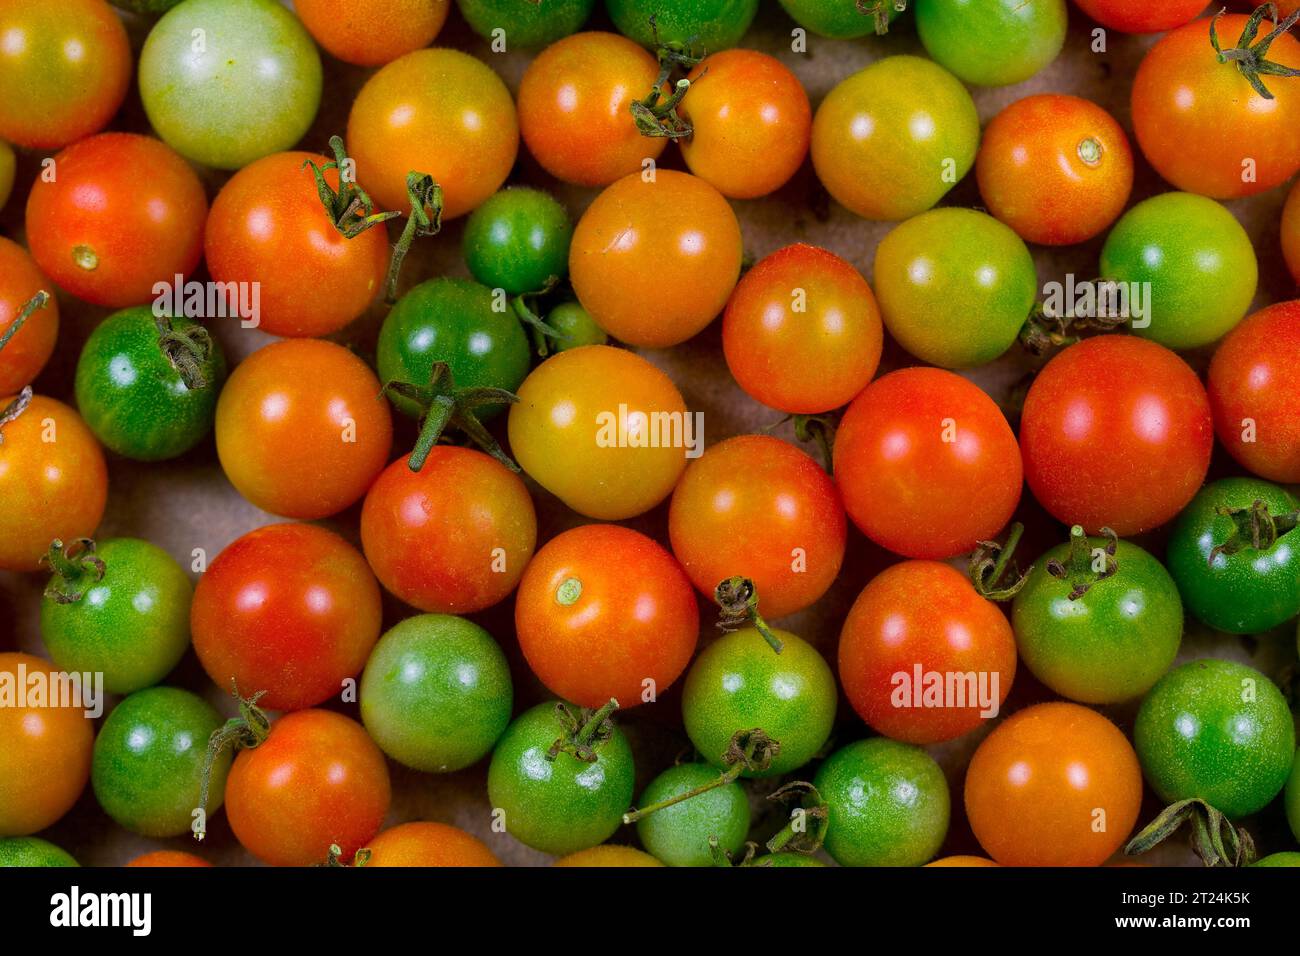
24,355
1116,432
1291,232
1149,16
802,331
289,609
428,844
372,32
601,611
923,657
122,214
927,464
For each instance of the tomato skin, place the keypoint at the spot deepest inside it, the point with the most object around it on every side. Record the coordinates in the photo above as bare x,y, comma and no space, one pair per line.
1116,432
926,614
527,23
1034,786
830,18
51,489
290,609
915,485
757,507
576,326
1293,799
608,855
1182,94
1152,16
802,354
268,226
560,431
302,430
955,286
168,858
7,163
518,240
123,214
315,781
372,32
1197,737
682,225
433,537
44,753
32,851
440,112
960,860
1291,232
702,25
1057,169
428,844
882,137
888,802
992,44
600,610
66,65
679,835
1253,380
26,353
752,123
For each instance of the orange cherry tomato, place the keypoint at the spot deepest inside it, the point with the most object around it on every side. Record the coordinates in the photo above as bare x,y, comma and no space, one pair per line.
802,331
317,780
1291,232
53,480
435,111
268,226
428,844
602,610
752,123
575,108
169,858
44,750
654,262
606,855
24,355
302,430
372,32
1053,785
1057,169
962,861
758,507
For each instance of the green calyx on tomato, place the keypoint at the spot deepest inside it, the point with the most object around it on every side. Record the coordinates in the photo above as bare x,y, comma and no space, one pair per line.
678,834
1249,55
738,607
750,752
246,732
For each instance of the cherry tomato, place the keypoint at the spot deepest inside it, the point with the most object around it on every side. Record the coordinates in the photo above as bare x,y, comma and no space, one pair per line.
440,112
26,353
756,507
123,214
1183,94
654,262
927,464
428,844
965,861
1196,260
436,693
372,32
1057,169
316,781
53,480
302,429
679,834
518,240
452,538
268,230
289,609
1279,859
527,23
702,25
1291,232
890,141
608,855
168,858
956,286
575,104
841,21
33,851
603,430
802,331
913,627
249,89
604,611
994,43
1218,731
1150,16
66,66
888,804
751,121
1054,785
576,327
44,750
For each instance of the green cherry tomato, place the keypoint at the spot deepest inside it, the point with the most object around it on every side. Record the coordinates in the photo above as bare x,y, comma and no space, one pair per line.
436,693
887,802
955,286
786,859
1198,261
564,804
32,851
739,683
132,625
576,326
459,322
839,21
992,42
1112,641
527,23
518,240
704,26
149,393
679,834
1239,589
225,82
1219,731
149,758
1293,798
1288,858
